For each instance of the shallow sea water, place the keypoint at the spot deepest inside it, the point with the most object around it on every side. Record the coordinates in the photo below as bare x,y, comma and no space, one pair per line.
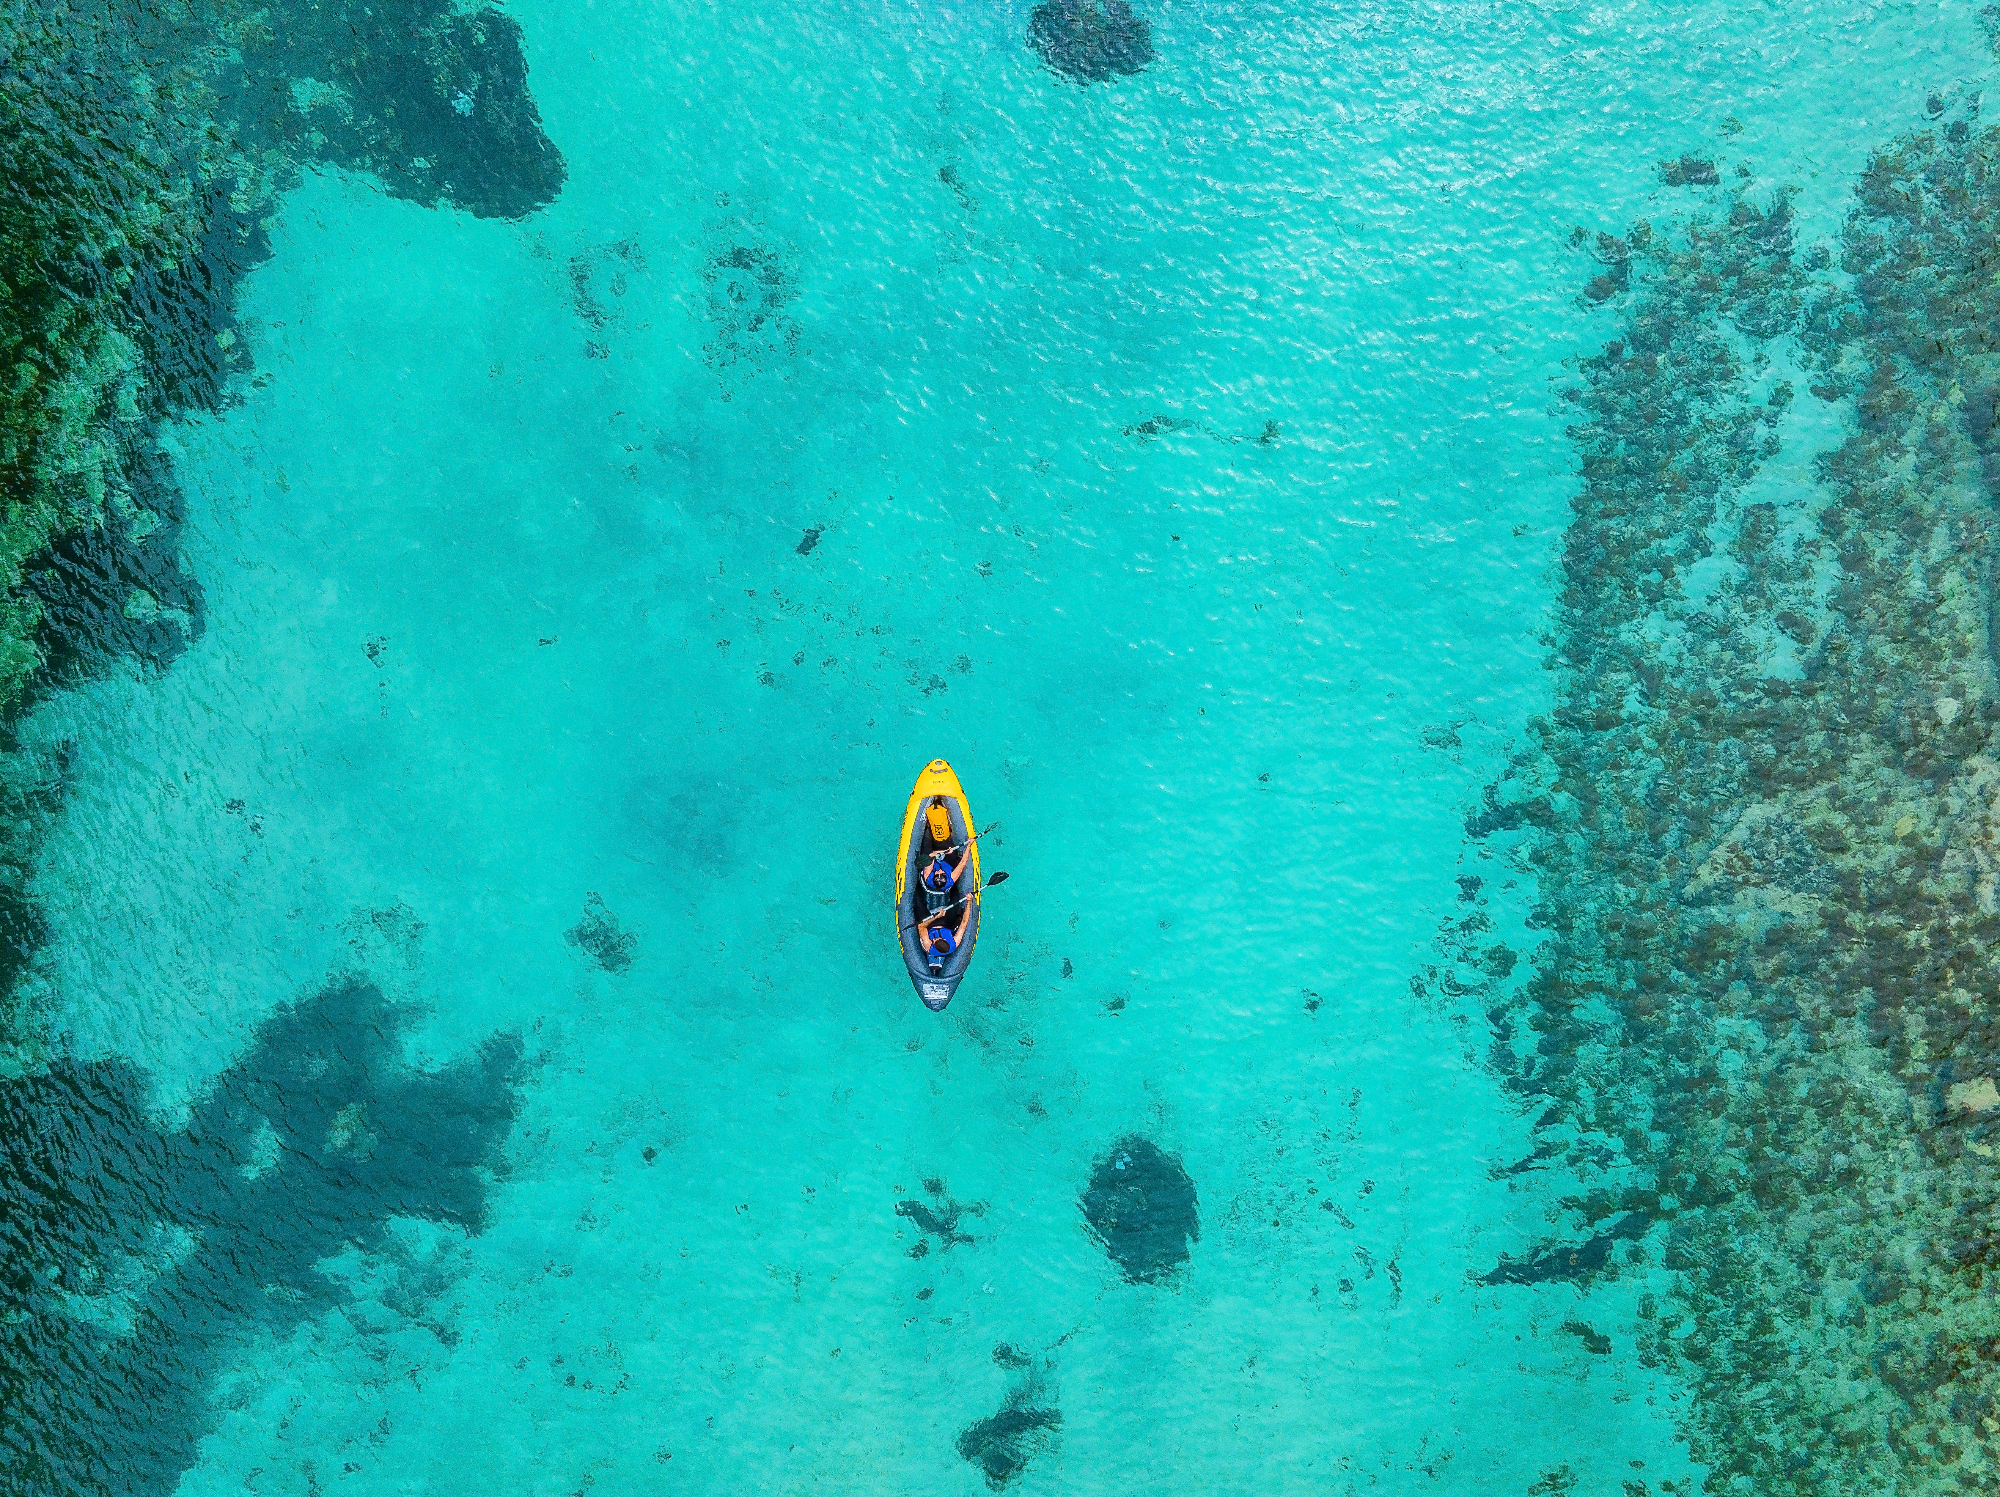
1184,465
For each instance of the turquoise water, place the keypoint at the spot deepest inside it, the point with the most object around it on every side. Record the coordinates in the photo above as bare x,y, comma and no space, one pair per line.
1181,457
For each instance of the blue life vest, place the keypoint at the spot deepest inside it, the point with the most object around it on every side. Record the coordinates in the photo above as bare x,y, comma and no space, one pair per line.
936,880
935,957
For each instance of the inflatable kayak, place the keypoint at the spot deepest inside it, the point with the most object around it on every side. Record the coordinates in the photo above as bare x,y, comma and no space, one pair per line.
937,897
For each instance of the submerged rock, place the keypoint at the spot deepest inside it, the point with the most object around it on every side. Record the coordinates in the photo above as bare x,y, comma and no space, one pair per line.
1002,1445
1142,1206
1080,41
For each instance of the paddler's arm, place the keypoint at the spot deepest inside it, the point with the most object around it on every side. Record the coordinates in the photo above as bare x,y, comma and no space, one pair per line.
963,921
963,858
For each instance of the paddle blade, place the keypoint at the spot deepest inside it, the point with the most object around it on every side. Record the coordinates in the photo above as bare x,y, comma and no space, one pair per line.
998,878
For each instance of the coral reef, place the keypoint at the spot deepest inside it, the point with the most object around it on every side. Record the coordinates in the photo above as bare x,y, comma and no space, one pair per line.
137,1257
1142,1207
1763,819
143,147
116,588
143,153
143,150
1092,45
86,237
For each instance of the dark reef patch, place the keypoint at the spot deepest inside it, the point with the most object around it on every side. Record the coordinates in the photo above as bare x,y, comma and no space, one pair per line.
427,98
1594,1341
599,936
118,589
1141,1206
1080,40
750,288
1001,1446
183,309
1158,426
941,1223
136,1259
1569,1261
1689,171
599,279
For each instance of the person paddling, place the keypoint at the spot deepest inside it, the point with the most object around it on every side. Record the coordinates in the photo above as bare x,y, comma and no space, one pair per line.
937,879
940,942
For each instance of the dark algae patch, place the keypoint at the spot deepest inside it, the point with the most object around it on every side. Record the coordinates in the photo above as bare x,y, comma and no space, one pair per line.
1767,853
1088,42
1141,1205
1594,1341
137,1258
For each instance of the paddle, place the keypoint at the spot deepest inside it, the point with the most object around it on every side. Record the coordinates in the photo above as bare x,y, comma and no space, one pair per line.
972,839
998,878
